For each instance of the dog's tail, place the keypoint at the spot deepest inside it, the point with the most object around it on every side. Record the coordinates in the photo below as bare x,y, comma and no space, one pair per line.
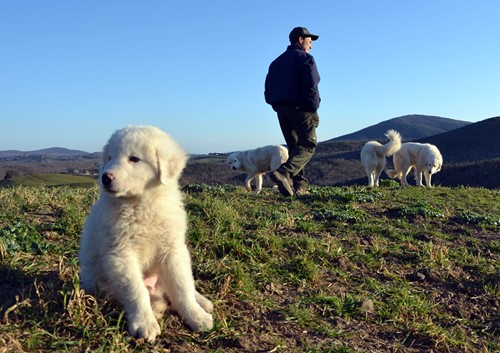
392,146
392,173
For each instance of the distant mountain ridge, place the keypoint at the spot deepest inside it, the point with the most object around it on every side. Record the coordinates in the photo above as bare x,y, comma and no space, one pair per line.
54,151
411,127
478,141
471,157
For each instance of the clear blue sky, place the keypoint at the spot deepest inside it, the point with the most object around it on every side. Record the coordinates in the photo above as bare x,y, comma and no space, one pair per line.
72,72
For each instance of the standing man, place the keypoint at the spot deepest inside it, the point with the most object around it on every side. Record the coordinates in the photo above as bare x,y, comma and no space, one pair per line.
291,88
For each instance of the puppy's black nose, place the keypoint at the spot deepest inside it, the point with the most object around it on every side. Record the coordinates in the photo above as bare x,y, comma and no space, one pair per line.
107,178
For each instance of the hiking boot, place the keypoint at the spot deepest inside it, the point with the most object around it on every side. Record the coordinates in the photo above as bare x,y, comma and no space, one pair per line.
283,183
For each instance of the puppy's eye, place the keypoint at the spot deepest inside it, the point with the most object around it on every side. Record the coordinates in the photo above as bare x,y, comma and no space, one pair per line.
133,159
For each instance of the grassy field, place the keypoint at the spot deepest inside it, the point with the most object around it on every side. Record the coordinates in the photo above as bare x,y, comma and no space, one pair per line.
341,270
50,180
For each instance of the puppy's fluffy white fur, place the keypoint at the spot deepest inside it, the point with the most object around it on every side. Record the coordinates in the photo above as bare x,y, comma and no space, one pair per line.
257,162
373,156
133,244
424,157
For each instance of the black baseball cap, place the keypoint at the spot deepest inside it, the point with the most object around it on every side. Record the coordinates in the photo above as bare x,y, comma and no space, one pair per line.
301,32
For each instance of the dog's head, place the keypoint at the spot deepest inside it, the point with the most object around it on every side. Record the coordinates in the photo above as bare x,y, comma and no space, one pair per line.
434,163
433,166
137,158
234,160
434,160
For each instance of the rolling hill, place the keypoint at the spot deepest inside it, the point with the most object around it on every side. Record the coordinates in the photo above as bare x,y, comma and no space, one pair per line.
471,156
472,142
54,152
411,127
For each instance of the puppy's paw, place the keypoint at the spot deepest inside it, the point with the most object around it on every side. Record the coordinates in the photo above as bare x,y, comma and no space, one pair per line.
144,326
205,303
159,305
200,320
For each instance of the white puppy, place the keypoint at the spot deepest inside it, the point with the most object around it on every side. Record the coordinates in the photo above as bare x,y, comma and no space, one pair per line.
424,157
133,243
257,162
373,156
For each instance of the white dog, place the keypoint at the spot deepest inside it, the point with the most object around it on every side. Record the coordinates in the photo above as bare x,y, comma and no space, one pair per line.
424,157
373,156
257,162
133,243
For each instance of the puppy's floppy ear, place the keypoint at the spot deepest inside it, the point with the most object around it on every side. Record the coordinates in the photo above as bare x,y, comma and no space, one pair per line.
170,160
105,154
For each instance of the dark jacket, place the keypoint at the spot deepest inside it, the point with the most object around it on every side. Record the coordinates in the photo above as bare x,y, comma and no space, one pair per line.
293,79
